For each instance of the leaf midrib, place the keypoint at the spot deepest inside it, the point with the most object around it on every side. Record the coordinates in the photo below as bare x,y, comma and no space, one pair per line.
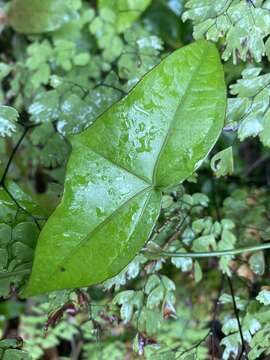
150,186
139,218
101,225
140,177
168,134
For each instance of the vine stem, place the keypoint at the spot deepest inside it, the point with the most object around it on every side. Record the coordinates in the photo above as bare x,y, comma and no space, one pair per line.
176,254
13,153
212,253
6,275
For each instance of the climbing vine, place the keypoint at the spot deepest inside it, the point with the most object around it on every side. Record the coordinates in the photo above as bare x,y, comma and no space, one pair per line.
199,286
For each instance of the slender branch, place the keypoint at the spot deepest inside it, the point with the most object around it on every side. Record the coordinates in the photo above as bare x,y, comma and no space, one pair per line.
2,181
215,313
111,87
251,3
243,347
21,207
256,164
3,178
195,346
210,253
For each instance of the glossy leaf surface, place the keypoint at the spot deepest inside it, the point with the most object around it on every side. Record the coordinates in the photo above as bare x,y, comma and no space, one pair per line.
35,16
153,138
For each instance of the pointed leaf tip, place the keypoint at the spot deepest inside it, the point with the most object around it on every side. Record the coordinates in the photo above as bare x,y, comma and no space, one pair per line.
155,137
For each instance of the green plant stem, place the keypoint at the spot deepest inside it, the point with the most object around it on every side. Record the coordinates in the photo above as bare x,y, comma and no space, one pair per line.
215,253
6,275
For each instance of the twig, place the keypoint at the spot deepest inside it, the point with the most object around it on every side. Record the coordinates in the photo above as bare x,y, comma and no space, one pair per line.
13,153
194,346
21,207
256,164
3,178
250,2
215,310
111,87
243,348
210,332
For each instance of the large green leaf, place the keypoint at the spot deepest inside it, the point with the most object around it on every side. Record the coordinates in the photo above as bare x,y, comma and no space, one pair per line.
155,137
38,16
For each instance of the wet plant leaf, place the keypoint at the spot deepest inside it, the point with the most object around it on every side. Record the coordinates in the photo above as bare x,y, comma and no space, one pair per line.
249,109
155,137
8,118
264,297
35,16
123,12
242,25
222,162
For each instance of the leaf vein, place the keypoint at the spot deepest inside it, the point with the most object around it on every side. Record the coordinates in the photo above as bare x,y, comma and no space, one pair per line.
166,139
100,226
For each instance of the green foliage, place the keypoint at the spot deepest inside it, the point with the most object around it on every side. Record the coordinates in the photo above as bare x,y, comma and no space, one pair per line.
249,109
122,13
222,162
162,19
18,235
11,349
33,329
25,207
242,26
255,327
16,250
63,64
264,297
139,151
33,17
8,118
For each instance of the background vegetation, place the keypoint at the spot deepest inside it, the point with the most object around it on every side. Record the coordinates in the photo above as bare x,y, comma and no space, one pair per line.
63,63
